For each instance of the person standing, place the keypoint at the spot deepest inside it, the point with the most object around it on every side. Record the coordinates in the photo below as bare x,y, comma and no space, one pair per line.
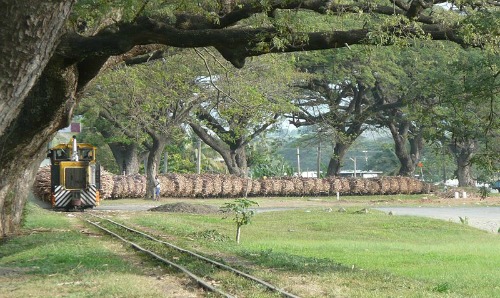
157,189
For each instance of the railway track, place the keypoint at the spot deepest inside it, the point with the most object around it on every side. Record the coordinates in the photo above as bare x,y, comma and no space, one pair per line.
211,275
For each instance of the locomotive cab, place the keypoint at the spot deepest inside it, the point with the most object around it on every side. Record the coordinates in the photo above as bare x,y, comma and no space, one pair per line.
75,176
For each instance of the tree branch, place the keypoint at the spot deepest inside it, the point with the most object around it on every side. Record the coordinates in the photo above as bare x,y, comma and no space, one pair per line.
235,44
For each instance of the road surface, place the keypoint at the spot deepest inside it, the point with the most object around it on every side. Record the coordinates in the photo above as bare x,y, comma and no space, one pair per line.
484,218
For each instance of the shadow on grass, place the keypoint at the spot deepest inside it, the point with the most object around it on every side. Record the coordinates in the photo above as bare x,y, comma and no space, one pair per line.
59,252
294,263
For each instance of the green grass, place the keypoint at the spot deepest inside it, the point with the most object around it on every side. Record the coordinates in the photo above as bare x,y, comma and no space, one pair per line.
432,256
53,258
310,252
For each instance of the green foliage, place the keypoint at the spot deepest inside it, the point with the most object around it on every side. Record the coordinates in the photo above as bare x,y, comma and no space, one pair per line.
146,97
88,16
239,209
243,100
180,159
442,288
482,28
264,160
272,167
398,30
242,215
142,103
209,235
466,101
484,192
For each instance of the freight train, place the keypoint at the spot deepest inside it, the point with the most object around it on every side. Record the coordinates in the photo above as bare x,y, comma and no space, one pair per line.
75,176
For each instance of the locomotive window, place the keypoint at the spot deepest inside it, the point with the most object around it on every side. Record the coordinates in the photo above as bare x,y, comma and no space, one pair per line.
75,178
60,154
86,154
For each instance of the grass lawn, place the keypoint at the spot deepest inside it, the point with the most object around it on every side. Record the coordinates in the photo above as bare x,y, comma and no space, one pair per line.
59,257
371,254
312,252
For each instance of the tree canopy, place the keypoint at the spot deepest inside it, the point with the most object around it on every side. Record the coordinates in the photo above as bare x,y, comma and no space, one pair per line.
51,50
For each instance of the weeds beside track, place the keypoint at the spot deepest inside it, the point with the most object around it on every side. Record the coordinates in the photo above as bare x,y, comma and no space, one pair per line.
209,274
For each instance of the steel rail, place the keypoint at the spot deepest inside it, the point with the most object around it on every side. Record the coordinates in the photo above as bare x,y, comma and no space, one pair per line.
193,276
213,262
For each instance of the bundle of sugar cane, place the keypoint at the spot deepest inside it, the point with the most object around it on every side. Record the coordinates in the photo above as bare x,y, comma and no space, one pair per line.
323,186
287,187
41,187
167,185
403,185
356,186
372,187
229,187
107,184
309,186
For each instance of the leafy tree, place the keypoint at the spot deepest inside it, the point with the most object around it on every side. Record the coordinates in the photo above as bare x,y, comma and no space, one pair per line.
148,101
49,57
464,112
241,105
339,99
395,89
242,215
182,156
264,160
307,140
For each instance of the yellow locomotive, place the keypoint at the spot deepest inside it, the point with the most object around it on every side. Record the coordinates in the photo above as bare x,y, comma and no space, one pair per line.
75,176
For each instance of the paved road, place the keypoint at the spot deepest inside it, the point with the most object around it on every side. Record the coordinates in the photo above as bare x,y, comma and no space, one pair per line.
484,218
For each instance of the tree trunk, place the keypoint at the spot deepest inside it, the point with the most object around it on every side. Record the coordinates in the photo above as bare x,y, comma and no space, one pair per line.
402,139
154,158
335,163
238,233
236,161
29,35
24,142
126,156
463,151
234,157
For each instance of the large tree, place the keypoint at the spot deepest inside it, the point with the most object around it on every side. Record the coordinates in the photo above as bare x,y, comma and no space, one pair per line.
242,104
344,97
463,114
148,103
398,89
44,71
340,110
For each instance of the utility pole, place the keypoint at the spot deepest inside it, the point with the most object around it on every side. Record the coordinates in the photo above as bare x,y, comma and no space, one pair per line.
198,161
354,160
298,163
318,161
